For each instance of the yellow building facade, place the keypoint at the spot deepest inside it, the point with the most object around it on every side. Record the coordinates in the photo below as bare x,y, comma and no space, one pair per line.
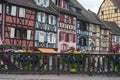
110,11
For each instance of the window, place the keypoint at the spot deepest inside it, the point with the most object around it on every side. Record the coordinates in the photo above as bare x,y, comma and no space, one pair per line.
62,35
44,3
94,28
41,36
36,35
73,8
21,12
62,16
116,39
0,8
83,26
78,24
65,4
73,21
70,37
82,41
18,33
52,19
102,12
78,11
51,36
116,10
67,19
41,17
24,31
12,33
8,10
13,10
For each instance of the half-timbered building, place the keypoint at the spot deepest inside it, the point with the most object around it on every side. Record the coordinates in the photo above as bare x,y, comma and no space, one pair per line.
66,26
82,25
94,32
104,37
17,22
110,11
45,25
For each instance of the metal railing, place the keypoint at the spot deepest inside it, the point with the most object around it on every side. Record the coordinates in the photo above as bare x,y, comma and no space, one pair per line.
44,63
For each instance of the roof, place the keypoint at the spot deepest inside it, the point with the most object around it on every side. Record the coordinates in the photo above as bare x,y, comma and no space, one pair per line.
115,30
95,17
31,4
47,50
116,3
86,15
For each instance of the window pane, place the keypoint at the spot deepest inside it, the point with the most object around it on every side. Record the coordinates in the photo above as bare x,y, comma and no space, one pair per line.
12,33
28,34
21,12
13,10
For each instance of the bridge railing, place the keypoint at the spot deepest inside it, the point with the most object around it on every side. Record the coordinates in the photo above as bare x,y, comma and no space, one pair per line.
44,63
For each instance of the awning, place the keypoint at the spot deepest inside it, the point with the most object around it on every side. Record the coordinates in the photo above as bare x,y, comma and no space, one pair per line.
47,50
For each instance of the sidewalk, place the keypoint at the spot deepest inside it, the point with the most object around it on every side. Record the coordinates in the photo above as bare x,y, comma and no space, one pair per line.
55,77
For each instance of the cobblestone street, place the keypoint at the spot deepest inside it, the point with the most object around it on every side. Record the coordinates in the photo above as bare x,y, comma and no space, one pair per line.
55,77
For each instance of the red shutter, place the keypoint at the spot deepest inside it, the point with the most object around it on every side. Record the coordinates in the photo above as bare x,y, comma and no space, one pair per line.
67,37
60,36
64,4
61,2
62,18
72,20
74,36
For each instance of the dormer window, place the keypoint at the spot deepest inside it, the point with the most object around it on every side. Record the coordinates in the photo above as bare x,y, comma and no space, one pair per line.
44,3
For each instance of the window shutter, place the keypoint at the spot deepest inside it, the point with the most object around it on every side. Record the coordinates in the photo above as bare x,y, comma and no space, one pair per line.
54,38
41,36
39,17
44,18
37,35
40,2
62,18
48,38
47,3
49,19
12,33
61,3
0,8
28,34
67,37
13,11
60,35
74,37
54,20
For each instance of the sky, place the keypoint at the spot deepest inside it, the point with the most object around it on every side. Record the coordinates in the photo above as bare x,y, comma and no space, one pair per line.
93,5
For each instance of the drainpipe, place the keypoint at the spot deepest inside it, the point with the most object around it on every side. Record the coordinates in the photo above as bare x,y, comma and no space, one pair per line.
3,23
